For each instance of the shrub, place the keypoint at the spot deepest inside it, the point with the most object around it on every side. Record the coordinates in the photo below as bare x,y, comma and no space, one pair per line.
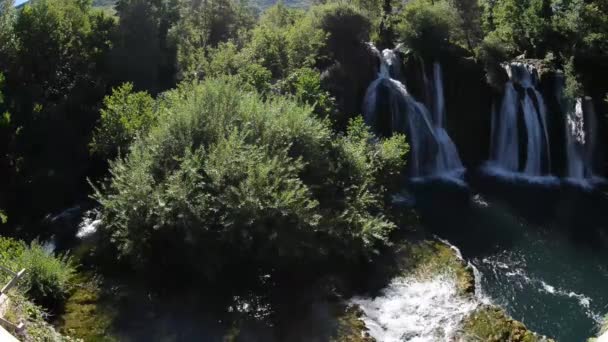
230,179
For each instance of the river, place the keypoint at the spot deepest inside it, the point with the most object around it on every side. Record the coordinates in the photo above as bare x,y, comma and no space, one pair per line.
540,248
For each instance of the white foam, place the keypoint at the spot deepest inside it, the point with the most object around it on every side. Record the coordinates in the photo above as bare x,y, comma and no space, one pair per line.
89,224
411,309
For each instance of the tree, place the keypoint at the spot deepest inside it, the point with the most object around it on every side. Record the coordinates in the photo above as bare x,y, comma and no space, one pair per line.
141,53
230,182
428,27
203,24
347,29
53,86
125,114
8,39
469,20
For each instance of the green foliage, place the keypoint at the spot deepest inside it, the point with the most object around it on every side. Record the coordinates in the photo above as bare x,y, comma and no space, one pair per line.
10,254
5,116
55,77
286,40
269,46
521,24
8,39
35,318
573,89
124,115
535,27
427,27
581,27
230,178
203,25
305,42
305,85
469,21
226,59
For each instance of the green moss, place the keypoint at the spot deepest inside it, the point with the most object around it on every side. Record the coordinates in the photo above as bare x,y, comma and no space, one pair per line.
492,324
85,316
350,327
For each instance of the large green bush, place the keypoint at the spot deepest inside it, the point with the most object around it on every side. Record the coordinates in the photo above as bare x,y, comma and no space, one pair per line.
228,178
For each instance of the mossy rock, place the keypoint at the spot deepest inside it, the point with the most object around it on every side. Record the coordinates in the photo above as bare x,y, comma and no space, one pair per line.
350,327
428,258
492,324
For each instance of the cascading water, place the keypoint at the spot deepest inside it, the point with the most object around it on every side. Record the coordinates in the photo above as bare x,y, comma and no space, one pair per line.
506,136
449,159
411,309
418,309
581,128
432,152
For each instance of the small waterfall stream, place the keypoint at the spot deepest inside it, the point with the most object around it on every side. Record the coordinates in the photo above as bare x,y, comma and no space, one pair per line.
580,134
389,108
506,137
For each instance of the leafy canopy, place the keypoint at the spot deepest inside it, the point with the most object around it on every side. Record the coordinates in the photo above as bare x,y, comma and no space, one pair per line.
227,177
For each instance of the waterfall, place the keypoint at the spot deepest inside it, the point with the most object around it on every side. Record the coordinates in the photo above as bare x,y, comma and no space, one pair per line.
580,133
581,126
389,108
506,137
447,160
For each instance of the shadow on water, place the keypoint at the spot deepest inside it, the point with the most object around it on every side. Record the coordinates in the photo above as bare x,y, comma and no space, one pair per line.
540,243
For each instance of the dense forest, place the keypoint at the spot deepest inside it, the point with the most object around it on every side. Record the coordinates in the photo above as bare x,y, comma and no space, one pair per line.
220,150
